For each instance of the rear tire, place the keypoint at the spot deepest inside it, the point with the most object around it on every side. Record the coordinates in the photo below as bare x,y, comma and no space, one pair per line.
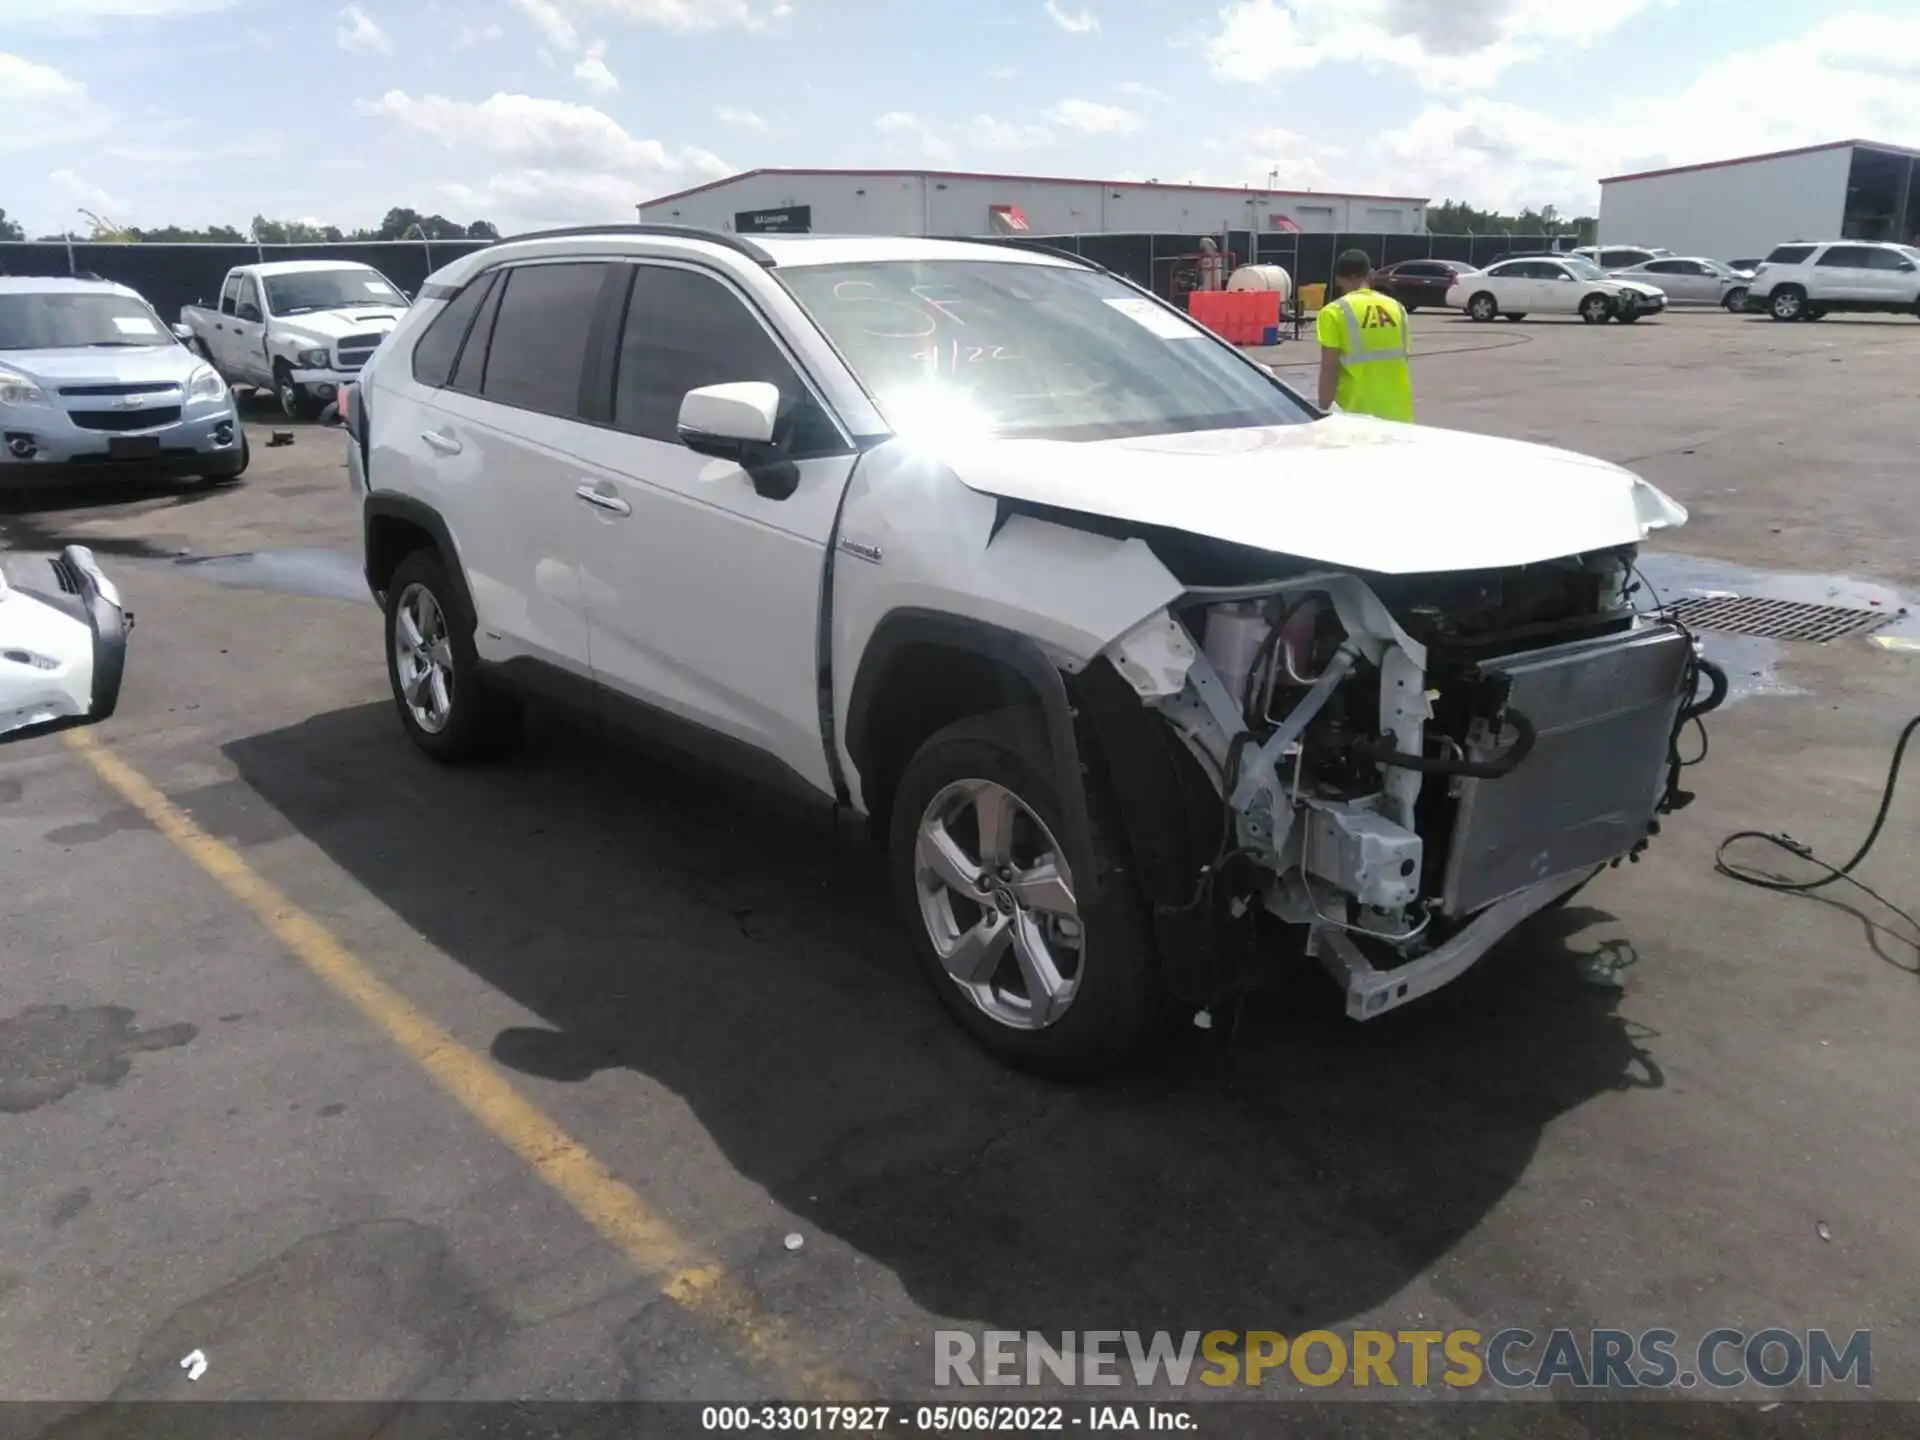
1483,307
1000,764
446,704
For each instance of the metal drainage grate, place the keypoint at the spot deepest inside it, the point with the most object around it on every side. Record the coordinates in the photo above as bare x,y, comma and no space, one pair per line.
1775,619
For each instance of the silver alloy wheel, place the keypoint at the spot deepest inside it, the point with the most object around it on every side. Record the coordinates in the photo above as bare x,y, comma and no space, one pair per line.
997,899
1596,307
289,394
423,658
1483,307
1787,305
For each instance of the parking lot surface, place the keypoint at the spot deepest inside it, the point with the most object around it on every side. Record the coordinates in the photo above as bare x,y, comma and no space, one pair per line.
369,1079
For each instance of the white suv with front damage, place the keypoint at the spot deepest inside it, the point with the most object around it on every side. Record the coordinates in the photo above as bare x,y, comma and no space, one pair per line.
1149,676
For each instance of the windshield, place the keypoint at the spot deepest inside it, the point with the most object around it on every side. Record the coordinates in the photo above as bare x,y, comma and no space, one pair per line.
73,320
1026,351
329,290
1582,267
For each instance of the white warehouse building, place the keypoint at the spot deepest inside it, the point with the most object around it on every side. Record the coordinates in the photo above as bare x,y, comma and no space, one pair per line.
1739,209
956,203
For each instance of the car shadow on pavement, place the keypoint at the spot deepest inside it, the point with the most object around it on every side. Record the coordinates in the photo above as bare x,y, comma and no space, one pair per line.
741,952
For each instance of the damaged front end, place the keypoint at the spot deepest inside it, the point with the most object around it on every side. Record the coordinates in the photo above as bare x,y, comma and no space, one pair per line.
1398,769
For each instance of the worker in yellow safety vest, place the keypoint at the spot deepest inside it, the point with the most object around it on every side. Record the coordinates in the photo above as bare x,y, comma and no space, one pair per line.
1363,346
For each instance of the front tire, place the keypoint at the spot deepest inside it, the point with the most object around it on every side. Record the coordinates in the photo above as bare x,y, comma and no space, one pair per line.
292,395
446,705
1515,315
1483,307
1596,309
990,893
1735,302
1789,302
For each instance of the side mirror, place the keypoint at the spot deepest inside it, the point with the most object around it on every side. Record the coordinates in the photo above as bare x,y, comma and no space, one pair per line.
182,333
738,422
63,649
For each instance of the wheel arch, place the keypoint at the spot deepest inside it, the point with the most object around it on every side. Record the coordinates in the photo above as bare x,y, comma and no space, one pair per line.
393,527
922,670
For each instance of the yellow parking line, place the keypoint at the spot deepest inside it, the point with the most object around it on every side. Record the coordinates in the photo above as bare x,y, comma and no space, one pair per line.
686,1276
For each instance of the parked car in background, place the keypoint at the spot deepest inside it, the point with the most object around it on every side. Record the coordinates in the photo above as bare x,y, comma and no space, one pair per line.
300,328
1807,281
1618,257
1419,282
1690,281
93,385
709,485
1563,285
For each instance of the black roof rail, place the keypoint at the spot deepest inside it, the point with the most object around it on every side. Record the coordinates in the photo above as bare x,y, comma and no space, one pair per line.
723,238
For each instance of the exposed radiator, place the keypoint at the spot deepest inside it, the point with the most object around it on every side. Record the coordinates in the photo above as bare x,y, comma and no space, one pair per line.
1603,711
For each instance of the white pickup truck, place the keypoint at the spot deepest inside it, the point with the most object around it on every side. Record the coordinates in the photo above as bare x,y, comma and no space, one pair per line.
301,328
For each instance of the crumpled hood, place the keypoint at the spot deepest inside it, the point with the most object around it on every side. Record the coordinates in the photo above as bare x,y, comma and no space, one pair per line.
1350,491
1639,286
165,363
332,324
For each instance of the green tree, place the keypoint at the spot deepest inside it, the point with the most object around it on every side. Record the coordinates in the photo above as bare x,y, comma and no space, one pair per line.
10,229
482,230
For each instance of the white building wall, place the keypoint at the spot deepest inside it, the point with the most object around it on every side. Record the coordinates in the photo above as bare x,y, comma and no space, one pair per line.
1730,211
960,205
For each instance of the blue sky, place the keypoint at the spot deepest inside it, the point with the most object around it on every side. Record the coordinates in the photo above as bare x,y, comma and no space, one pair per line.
543,111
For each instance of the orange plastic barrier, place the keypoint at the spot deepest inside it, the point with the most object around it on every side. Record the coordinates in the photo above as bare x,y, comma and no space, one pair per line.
1241,317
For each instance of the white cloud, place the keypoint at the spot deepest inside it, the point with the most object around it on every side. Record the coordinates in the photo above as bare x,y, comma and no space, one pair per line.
27,12
1847,75
556,161
1075,22
693,16
740,119
592,70
1089,117
358,33
552,23
70,192
58,105
174,157
472,35
942,145
1443,45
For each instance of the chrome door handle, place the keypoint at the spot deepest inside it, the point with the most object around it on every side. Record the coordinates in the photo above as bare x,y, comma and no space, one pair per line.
438,440
612,504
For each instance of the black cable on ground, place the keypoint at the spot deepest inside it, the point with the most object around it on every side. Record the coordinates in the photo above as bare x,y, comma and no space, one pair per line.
1834,873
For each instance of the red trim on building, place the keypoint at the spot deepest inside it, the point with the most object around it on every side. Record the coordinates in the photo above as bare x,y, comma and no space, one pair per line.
1022,179
1770,155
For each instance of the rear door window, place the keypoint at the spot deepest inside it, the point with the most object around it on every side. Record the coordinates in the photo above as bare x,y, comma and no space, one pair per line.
439,347
1789,254
1845,257
537,355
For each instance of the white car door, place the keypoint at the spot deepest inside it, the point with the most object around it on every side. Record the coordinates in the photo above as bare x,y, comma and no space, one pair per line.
702,591
497,448
1557,288
246,336
1843,272
1894,277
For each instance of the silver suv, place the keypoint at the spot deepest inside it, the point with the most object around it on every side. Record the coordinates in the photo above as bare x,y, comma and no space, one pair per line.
1807,280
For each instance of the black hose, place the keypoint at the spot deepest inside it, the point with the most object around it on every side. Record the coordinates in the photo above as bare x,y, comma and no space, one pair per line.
1716,697
1380,754
1805,852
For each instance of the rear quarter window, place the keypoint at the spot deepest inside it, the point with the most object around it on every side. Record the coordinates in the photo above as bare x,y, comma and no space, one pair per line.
439,345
